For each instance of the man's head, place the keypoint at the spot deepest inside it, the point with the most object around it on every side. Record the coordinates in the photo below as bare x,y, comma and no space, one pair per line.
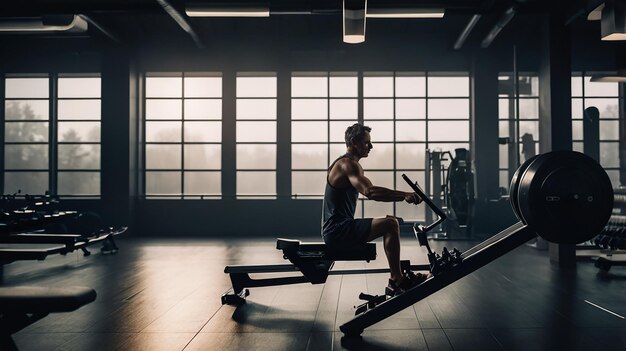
358,139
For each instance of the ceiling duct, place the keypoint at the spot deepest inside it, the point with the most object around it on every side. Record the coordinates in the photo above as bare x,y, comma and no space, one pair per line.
101,28
178,17
48,23
466,31
596,14
506,17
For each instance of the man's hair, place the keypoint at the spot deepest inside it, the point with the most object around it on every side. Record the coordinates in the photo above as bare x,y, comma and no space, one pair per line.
356,132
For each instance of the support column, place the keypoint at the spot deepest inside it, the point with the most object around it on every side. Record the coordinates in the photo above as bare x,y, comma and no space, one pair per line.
283,141
484,138
621,66
555,121
229,152
120,138
484,128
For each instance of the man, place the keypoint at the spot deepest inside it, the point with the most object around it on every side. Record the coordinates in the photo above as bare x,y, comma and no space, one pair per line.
345,180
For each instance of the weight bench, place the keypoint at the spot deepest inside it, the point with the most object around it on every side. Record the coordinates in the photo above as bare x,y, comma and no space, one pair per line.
24,305
314,260
62,244
71,241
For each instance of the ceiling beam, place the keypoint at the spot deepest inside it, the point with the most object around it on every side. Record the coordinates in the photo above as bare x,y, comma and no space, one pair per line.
466,31
505,18
100,27
181,20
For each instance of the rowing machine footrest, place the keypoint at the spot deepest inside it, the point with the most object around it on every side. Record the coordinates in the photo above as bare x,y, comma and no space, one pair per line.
420,234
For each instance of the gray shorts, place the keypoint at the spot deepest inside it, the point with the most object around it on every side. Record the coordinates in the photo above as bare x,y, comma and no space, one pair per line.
349,232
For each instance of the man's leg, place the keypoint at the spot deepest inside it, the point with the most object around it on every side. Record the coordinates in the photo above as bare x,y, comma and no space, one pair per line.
389,229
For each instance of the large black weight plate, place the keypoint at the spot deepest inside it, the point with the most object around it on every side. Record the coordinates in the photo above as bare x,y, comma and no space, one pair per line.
565,196
513,188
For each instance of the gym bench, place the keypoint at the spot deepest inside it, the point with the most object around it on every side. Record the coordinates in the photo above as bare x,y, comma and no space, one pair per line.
61,244
71,241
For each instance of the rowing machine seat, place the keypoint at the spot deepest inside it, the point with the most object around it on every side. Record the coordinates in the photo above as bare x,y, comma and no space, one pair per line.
362,252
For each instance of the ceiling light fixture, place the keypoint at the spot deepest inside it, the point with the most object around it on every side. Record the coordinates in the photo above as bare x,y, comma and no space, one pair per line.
226,10
613,22
354,13
405,12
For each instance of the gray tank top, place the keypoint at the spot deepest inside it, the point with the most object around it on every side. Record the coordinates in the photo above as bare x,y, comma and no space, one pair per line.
339,205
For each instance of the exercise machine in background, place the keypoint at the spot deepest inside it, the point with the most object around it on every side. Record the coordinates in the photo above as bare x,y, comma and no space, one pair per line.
449,183
35,227
32,228
610,244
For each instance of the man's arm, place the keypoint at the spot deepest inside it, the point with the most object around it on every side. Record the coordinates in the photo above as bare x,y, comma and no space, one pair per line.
362,184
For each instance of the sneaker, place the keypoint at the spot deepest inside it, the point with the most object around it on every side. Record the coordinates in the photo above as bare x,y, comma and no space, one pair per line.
410,280
393,288
415,279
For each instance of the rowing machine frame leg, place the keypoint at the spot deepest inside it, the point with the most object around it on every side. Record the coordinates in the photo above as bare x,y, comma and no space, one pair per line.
240,277
241,280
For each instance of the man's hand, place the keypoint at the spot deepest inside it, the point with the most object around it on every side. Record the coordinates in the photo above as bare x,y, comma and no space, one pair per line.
412,198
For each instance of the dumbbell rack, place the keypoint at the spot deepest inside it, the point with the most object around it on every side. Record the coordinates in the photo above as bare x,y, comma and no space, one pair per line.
612,239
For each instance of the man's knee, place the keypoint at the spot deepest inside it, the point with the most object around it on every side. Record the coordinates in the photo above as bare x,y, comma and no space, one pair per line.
392,225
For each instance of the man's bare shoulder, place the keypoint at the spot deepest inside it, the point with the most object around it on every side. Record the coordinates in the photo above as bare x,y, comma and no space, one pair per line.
349,166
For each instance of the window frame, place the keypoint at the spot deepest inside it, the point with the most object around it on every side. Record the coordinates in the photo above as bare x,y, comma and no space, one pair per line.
52,171
181,171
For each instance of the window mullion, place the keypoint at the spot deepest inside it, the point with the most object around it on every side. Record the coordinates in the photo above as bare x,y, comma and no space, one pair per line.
53,134
182,138
2,127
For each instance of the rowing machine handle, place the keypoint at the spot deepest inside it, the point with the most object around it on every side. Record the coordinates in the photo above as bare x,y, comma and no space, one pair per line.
442,216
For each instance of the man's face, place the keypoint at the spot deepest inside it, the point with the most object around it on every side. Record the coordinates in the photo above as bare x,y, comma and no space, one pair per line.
363,146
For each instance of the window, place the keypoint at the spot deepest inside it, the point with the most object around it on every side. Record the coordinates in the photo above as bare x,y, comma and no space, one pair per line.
522,122
183,135
78,136
53,147
322,107
27,135
605,97
409,113
256,112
